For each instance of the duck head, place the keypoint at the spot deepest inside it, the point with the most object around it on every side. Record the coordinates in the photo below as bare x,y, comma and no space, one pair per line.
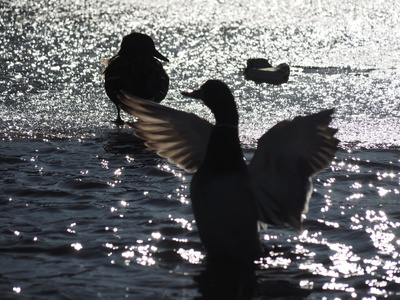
284,69
139,44
216,96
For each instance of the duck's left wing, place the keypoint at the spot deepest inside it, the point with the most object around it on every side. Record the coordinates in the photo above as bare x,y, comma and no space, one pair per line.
180,137
288,155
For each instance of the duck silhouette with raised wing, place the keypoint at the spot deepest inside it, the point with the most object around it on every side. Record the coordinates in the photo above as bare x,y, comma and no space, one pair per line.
136,70
229,197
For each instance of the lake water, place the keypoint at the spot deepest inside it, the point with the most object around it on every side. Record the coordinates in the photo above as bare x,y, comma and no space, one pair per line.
88,212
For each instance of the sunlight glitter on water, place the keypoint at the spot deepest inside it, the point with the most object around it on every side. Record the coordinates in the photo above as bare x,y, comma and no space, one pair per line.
143,254
183,222
332,285
191,255
219,48
52,90
344,261
77,246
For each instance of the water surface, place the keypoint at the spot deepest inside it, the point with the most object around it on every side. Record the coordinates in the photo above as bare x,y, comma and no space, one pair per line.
88,212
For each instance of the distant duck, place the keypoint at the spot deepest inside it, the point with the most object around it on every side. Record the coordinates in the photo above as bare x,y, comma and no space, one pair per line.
260,70
134,69
228,197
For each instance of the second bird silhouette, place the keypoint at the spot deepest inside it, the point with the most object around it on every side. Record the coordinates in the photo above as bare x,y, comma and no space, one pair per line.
136,70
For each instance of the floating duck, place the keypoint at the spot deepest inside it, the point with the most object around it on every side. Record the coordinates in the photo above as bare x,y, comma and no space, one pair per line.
260,70
229,197
134,69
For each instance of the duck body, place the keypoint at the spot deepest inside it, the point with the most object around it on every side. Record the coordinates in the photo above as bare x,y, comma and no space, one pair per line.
261,71
136,70
224,210
228,196
225,215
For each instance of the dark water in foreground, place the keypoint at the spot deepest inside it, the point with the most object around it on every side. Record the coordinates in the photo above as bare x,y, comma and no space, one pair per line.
87,212
106,218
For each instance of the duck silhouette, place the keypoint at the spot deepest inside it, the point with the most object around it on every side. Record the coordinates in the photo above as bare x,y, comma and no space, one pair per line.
261,71
136,70
229,197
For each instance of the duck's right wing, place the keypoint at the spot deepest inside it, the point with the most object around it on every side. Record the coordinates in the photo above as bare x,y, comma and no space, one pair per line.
288,155
180,137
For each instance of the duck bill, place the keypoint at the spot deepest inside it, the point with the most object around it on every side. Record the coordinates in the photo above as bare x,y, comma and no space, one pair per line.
196,94
160,56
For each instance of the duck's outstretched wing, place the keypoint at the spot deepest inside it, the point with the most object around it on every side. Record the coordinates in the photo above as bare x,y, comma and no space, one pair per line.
180,137
288,155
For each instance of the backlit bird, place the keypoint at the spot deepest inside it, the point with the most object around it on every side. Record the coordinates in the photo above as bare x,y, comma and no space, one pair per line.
136,70
229,197
261,71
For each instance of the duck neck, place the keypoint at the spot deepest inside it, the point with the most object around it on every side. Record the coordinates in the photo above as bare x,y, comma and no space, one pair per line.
226,115
224,153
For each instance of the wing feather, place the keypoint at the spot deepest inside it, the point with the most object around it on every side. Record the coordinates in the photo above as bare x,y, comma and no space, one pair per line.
180,137
288,155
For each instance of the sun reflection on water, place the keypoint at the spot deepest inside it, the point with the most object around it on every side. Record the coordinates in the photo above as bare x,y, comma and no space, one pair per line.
334,286
191,255
184,223
374,251
51,88
77,246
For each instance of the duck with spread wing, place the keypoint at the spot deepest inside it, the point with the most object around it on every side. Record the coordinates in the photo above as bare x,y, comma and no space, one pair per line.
228,197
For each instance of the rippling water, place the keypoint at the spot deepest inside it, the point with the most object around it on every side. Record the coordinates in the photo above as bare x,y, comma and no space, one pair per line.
87,212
